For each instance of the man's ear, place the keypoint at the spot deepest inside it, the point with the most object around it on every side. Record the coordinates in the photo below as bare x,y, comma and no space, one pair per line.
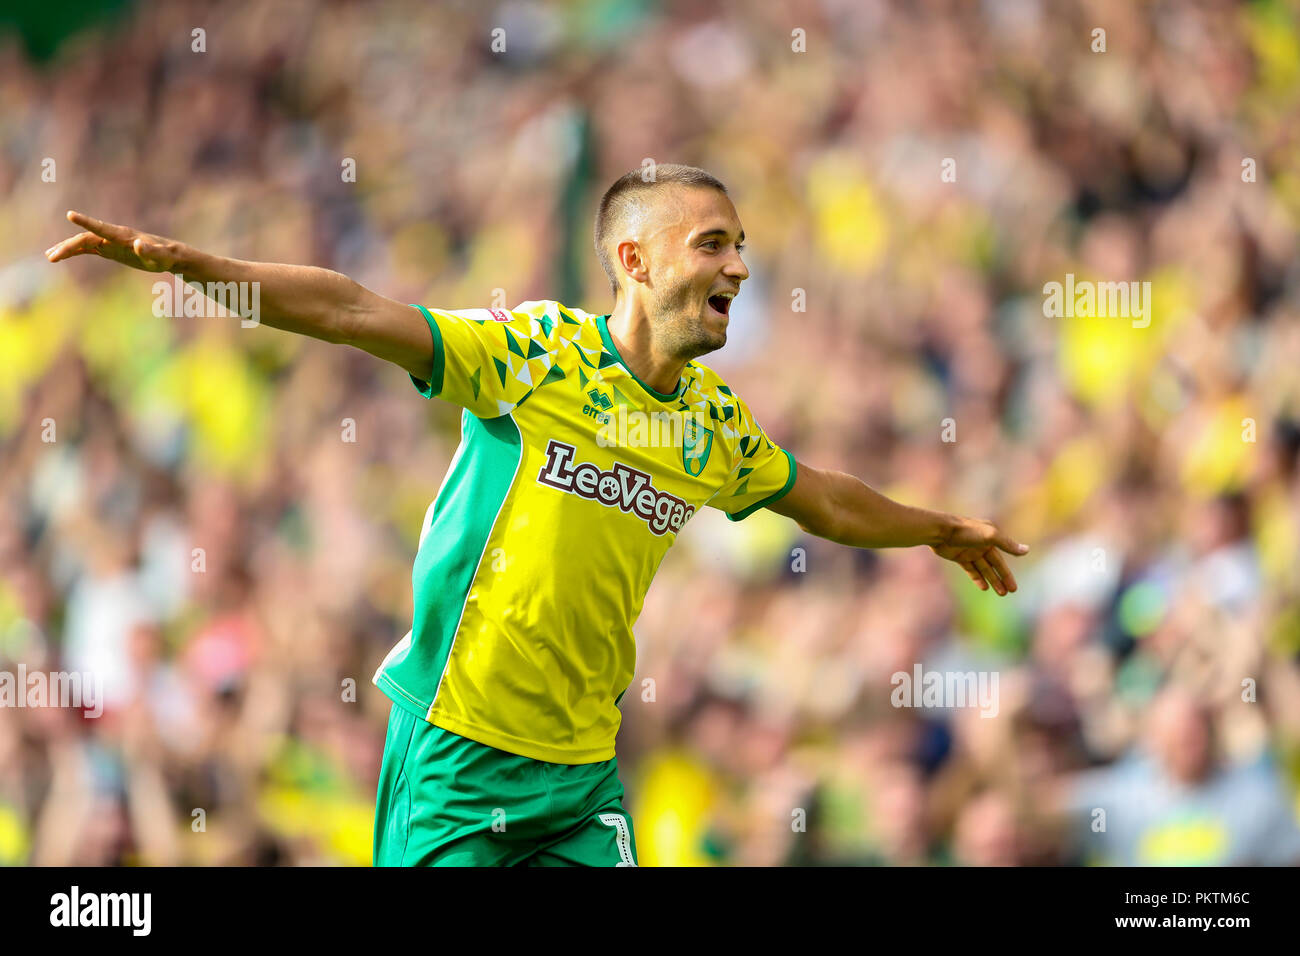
632,260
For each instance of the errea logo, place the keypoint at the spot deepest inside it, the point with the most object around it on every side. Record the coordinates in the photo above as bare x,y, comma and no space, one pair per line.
600,404
624,488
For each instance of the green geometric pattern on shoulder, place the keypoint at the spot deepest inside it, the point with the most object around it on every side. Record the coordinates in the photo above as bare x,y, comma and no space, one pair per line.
705,394
554,375
512,342
535,362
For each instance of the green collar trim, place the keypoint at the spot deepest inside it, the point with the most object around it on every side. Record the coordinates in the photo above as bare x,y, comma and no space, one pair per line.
613,350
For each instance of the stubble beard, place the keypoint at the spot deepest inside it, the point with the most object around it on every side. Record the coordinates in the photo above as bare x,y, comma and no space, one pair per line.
680,326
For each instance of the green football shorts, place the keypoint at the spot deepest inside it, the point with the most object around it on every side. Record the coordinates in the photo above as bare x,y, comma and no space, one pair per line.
445,800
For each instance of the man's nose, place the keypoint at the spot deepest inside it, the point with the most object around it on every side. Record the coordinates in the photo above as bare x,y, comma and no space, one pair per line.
736,267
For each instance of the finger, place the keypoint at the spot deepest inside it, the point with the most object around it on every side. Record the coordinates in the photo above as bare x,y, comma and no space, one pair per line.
78,245
974,575
1000,566
990,575
1010,545
146,247
100,228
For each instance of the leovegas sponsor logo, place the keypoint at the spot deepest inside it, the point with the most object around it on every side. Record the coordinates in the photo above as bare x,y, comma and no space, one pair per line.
621,487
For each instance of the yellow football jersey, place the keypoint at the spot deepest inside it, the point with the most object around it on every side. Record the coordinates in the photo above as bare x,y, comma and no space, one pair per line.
572,479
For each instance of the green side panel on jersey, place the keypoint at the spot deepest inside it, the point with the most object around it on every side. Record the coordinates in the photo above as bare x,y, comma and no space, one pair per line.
445,566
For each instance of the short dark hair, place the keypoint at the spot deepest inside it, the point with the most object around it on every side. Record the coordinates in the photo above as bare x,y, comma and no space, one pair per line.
624,194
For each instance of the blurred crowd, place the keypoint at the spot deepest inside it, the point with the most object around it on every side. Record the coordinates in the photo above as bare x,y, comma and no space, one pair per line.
220,522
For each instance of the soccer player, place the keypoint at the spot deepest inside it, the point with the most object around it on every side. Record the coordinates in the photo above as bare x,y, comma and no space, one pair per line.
555,513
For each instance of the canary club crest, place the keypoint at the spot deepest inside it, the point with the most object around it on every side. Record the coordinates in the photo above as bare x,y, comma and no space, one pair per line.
697,442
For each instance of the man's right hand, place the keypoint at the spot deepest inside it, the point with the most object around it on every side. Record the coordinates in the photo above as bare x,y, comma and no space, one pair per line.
139,250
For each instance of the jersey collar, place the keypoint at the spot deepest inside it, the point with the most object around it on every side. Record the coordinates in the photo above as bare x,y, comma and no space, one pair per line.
613,350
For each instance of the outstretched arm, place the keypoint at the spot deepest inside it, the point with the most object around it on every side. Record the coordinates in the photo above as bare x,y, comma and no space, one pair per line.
304,299
843,509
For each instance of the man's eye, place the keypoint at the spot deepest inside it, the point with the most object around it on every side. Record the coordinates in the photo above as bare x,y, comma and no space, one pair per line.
740,247
710,242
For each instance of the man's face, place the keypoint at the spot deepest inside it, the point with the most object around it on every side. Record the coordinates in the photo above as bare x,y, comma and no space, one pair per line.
691,241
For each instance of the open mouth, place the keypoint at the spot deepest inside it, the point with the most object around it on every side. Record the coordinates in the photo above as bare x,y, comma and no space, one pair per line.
720,304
